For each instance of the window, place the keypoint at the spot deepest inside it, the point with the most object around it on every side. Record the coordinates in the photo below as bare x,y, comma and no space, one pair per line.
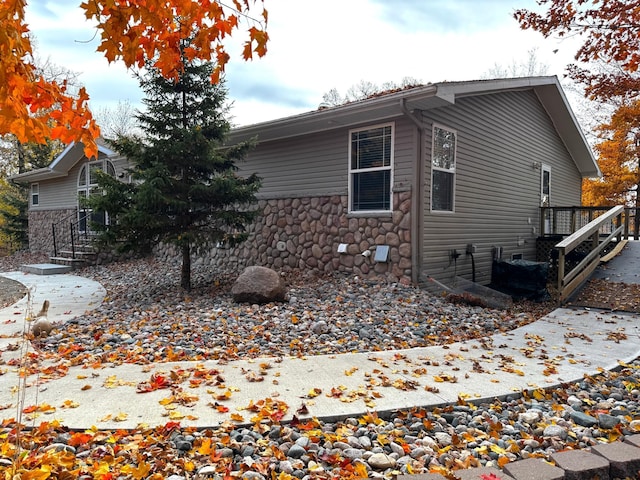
35,194
545,186
443,169
88,185
371,169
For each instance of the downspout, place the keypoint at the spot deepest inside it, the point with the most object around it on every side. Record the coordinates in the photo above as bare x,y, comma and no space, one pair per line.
417,188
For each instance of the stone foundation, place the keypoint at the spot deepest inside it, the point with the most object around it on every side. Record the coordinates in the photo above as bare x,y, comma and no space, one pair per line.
303,234
40,233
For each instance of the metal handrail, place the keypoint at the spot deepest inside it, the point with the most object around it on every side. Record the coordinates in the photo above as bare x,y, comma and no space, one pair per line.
66,232
568,282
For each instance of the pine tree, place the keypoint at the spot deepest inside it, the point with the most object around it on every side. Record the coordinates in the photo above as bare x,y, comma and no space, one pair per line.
13,216
16,157
185,190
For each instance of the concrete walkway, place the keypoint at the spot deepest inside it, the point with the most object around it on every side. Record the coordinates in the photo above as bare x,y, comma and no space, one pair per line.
559,348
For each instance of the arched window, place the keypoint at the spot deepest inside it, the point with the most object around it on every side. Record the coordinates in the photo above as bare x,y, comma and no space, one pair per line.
88,185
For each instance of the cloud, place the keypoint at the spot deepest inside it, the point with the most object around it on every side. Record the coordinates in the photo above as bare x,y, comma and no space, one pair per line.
316,46
109,89
440,16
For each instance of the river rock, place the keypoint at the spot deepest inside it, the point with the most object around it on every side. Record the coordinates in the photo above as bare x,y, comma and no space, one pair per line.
258,285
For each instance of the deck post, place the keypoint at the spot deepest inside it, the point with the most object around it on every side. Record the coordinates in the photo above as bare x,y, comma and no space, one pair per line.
561,260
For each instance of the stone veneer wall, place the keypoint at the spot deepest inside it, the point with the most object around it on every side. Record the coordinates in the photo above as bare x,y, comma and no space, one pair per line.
40,233
303,234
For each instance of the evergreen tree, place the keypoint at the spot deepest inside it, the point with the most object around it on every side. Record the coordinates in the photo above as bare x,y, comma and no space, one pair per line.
16,157
13,216
185,190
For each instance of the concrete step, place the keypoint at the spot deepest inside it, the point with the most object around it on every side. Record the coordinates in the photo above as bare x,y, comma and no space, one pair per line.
46,268
72,263
78,253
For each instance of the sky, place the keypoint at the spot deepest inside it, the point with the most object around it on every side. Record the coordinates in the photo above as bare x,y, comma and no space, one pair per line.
318,45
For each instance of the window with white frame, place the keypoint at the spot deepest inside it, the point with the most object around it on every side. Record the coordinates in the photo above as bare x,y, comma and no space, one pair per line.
88,185
35,194
443,169
371,168
545,186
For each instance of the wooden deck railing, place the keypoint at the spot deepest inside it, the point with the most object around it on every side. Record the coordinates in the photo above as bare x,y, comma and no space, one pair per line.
599,232
567,220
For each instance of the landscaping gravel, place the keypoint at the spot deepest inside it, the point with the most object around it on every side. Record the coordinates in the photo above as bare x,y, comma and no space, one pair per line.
146,318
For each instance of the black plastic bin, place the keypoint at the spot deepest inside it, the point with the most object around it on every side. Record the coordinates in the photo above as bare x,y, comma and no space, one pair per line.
521,278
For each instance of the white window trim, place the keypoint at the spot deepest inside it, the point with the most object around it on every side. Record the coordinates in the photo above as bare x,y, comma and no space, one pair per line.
360,170
454,172
35,190
543,169
85,190
87,173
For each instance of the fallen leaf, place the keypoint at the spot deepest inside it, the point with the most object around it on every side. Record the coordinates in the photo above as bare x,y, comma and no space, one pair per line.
120,417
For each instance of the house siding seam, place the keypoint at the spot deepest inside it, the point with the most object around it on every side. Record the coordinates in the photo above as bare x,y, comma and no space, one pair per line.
303,234
500,139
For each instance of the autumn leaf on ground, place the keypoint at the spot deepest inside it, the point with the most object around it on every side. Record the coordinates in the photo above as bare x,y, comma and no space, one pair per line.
314,392
444,377
156,382
351,371
236,417
226,395
336,392
254,377
616,336
268,409
371,417
112,381
139,472
403,384
490,476
175,415
181,398
42,408
120,417
302,410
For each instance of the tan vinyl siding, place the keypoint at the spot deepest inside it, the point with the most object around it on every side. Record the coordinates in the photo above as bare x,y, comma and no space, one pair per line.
62,192
59,193
317,165
501,140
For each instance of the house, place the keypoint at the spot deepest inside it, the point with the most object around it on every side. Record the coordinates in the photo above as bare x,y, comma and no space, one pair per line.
55,192
430,181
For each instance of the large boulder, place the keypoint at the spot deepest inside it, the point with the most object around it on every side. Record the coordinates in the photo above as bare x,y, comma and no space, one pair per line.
258,285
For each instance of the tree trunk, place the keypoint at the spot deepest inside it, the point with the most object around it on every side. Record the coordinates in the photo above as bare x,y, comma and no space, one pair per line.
636,216
22,165
185,280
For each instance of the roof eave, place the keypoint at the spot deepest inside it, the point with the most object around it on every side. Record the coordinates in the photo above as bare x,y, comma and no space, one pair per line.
429,96
347,115
566,124
61,165
37,175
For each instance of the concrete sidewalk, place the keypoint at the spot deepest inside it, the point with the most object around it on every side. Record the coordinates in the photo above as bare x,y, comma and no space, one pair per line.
559,348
